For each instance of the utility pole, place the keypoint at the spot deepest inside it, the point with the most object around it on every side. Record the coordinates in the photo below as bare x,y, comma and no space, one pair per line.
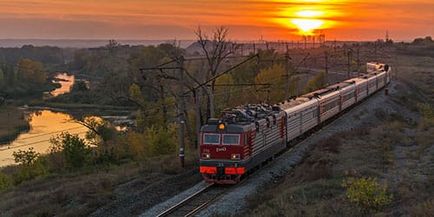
181,108
287,73
326,58
358,59
348,63
313,41
198,121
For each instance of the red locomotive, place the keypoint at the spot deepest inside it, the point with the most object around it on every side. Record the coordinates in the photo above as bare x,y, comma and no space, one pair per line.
246,136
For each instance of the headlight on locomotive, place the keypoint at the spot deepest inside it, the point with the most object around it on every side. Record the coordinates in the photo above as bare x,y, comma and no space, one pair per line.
235,156
206,155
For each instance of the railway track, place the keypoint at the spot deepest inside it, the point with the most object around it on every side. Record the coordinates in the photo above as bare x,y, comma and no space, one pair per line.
195,202
198,201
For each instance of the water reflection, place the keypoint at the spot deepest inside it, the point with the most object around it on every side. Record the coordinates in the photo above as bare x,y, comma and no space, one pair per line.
44,124
66,81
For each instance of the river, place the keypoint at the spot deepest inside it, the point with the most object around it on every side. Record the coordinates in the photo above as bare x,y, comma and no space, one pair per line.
45,124
66,81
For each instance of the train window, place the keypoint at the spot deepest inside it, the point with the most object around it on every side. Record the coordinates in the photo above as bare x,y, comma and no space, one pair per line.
229,139
347,97
330,105
211,138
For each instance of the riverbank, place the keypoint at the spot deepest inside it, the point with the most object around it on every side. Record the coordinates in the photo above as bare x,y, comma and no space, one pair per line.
13,122
77,106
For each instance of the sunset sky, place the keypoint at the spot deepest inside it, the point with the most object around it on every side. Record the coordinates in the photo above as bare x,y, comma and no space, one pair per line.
247,19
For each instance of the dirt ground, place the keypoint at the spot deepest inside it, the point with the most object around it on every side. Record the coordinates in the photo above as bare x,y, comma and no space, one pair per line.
396,148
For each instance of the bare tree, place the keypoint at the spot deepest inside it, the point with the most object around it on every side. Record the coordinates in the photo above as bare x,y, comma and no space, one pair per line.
216,50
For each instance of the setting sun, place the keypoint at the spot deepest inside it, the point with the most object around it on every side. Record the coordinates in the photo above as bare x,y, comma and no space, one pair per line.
307,26
306,19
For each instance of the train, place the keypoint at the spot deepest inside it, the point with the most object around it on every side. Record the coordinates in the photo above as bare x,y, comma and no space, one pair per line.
246,136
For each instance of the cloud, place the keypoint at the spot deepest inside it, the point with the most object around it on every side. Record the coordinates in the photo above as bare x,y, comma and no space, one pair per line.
166,19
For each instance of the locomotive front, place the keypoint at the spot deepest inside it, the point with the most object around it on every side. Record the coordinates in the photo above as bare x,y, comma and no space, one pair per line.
222,151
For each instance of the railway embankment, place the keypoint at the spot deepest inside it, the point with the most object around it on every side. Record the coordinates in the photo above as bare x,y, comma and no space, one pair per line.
326,140
386,144
257,186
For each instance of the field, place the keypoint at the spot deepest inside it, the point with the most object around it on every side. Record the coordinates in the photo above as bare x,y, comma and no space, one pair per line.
12,123
123,190
396,150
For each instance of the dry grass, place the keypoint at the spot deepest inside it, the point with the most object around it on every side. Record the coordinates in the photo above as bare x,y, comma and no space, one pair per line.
12,123
314,188
396,149
82,193
310,190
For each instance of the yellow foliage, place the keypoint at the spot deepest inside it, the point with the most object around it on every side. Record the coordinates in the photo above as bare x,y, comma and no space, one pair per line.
273,76
367,193
31,71
316,82
136,145
154,141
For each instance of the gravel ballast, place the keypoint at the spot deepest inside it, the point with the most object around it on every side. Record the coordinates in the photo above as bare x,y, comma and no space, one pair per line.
234,202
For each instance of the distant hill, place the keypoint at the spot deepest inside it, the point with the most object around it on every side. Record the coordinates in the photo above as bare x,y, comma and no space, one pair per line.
82,43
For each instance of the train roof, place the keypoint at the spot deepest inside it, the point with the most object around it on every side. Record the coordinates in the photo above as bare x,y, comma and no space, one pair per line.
246,114
293,102
327,90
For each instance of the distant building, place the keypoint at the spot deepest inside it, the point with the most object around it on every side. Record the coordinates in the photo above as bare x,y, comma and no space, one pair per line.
423,41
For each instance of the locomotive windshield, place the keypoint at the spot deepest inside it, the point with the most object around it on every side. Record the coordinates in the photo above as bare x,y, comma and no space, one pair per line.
211,138
231,139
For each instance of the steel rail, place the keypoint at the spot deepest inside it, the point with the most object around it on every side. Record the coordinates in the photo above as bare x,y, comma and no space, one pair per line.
175,207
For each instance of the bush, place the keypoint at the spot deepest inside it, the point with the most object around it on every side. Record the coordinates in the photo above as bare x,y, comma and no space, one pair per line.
316,82
154,141
75,151
25,158
30,165
367,193
161,141
29,172
5,182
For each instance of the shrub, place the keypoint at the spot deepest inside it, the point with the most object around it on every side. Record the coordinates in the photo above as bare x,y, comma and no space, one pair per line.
5,182
161,141
25,158
154,141
75,151
31,165
29,172
367,193
316,82
135,148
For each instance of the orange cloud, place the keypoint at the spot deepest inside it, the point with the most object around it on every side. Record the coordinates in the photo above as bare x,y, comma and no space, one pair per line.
248,19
